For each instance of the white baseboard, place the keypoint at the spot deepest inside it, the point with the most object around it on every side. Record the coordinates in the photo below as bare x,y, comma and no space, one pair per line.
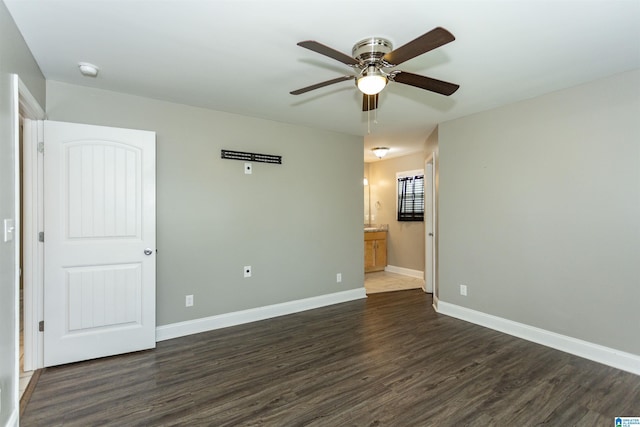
13,419
601,354
405,271
180,329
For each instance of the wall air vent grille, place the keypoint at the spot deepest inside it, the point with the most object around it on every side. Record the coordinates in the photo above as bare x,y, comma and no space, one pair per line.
251,157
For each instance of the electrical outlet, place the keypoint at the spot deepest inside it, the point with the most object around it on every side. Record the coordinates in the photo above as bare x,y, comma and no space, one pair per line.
188,301
339,278
463,290
248,168
247,271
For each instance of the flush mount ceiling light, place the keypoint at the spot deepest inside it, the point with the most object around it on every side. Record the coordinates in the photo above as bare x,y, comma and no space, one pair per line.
88,70
372,81
380,152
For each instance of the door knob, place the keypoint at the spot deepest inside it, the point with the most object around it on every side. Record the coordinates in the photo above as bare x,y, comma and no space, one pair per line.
148,251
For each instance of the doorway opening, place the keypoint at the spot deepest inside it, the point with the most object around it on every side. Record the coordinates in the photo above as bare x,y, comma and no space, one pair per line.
28,252
24,374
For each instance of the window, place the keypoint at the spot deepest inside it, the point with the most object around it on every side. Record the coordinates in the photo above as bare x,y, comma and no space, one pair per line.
410,195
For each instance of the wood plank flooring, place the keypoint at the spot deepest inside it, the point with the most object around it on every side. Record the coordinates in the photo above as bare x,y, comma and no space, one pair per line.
389,360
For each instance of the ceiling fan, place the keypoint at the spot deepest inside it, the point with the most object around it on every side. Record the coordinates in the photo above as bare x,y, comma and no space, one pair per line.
373,56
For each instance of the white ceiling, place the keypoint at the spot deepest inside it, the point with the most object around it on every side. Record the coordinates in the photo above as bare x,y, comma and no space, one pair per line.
241,56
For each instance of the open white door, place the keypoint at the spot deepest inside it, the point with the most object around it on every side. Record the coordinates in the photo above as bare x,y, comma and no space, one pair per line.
429,225
100,236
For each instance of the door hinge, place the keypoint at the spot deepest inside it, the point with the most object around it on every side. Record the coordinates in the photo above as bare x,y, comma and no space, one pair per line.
41,236
40,147
41,326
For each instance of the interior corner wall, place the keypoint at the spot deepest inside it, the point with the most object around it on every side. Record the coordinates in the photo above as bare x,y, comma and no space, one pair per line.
367,204
540,208
297,224
405,240
15,58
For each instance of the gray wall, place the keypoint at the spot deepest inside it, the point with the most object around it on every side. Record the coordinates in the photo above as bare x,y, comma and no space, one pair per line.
405,240
16,58
540,212
297,224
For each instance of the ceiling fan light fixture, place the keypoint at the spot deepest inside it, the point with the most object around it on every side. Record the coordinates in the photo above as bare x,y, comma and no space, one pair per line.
380,152
372,81
373,57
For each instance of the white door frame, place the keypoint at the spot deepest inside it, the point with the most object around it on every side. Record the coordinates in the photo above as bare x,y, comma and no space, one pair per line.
32,249
429,227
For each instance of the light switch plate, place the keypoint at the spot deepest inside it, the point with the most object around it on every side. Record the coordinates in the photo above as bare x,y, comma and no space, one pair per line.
248,168
9,229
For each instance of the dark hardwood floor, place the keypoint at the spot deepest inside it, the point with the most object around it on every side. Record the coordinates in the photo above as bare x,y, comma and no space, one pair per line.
389,360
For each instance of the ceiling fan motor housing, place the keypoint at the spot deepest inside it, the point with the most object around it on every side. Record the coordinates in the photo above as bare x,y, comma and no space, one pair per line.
370,51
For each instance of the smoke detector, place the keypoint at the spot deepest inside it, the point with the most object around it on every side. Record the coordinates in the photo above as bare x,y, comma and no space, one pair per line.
88,70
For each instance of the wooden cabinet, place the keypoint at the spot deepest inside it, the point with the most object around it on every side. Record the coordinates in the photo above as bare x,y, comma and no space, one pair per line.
375,251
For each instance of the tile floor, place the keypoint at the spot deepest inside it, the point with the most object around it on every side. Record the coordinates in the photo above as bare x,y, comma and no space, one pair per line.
25,377
383,281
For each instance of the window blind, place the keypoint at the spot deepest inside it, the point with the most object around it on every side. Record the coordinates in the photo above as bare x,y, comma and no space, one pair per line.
411,198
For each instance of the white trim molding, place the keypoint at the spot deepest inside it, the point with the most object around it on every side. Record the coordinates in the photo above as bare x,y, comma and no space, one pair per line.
598,353
189,327
32,249
13,418
405,271
28,105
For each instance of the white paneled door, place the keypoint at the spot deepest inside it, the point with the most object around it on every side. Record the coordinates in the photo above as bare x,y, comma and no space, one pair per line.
100,237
